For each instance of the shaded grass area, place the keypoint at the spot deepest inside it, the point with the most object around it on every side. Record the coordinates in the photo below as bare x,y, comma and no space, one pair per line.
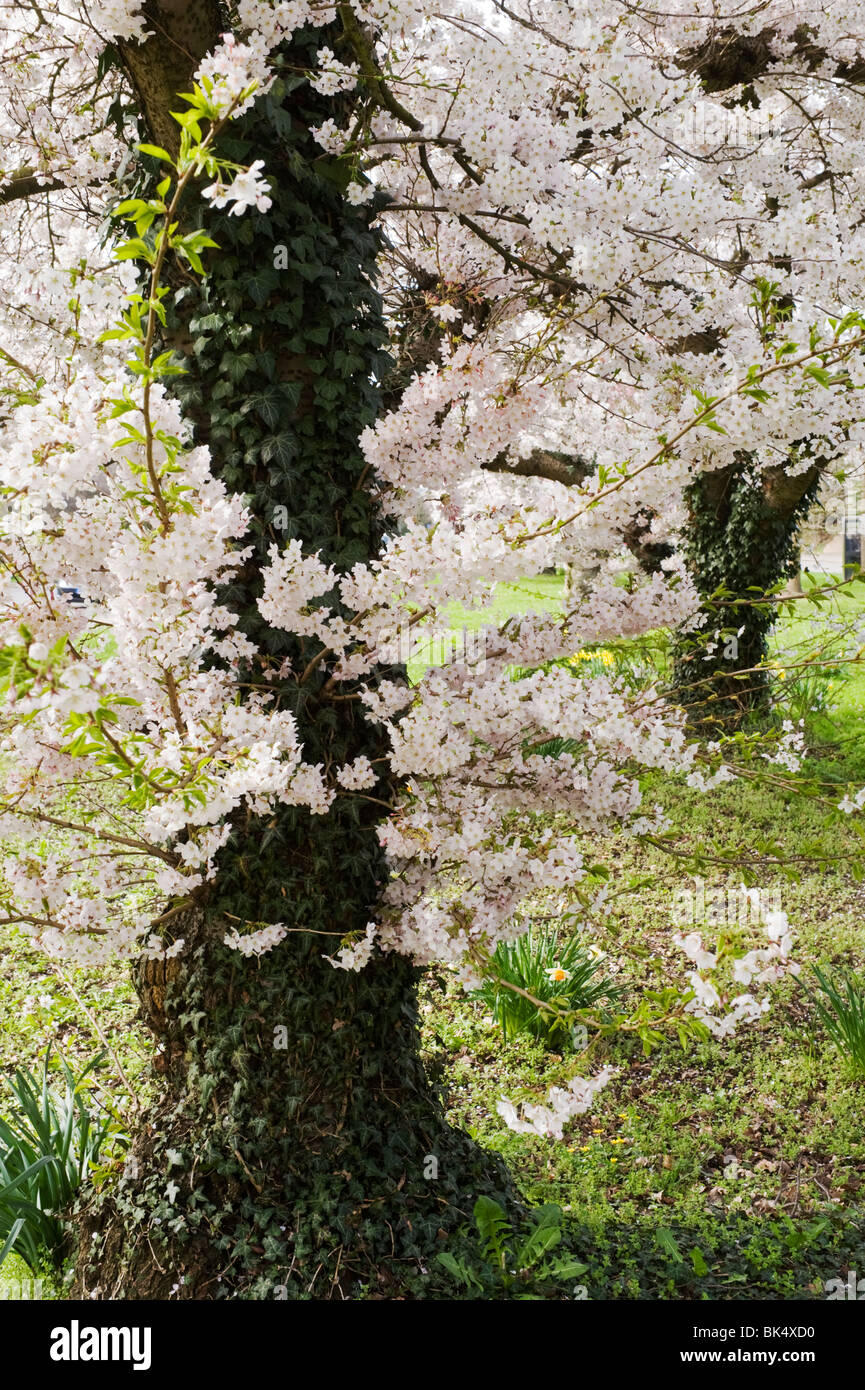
750,1151
76,1012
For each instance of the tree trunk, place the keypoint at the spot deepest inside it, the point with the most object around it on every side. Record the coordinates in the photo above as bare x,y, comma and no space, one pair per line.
742,536
297,1148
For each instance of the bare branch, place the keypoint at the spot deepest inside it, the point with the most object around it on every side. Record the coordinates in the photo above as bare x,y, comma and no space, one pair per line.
25,183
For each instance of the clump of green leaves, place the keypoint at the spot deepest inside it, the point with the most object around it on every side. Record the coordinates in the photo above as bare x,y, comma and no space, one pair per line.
809,692
540,981
511,1265
839,1002
50,1140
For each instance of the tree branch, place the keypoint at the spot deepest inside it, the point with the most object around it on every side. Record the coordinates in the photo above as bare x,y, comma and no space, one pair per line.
25,183
568,469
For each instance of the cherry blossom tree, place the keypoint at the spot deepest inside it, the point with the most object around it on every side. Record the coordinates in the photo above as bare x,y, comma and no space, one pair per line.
317,319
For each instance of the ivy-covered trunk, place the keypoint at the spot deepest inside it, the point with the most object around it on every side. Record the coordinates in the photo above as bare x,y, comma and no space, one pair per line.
297,1148
741,538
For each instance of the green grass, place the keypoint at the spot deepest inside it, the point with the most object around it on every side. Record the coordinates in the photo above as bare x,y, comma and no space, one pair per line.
805,627
541,594
17,1282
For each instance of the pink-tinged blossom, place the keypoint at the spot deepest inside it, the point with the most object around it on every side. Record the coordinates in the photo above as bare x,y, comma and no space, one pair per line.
356,955
247,189
257,942
564,1103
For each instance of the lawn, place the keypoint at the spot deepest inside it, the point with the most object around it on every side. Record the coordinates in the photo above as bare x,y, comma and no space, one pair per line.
542,594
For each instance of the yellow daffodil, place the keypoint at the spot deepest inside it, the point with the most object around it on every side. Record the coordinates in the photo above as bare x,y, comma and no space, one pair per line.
558,975
603,656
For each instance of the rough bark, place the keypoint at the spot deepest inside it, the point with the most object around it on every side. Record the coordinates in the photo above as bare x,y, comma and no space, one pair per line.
181,33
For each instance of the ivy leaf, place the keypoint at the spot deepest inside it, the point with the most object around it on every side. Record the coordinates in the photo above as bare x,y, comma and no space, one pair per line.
261,283
266,406
280,448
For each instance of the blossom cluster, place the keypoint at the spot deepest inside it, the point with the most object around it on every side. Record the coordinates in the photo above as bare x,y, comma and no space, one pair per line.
761,965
